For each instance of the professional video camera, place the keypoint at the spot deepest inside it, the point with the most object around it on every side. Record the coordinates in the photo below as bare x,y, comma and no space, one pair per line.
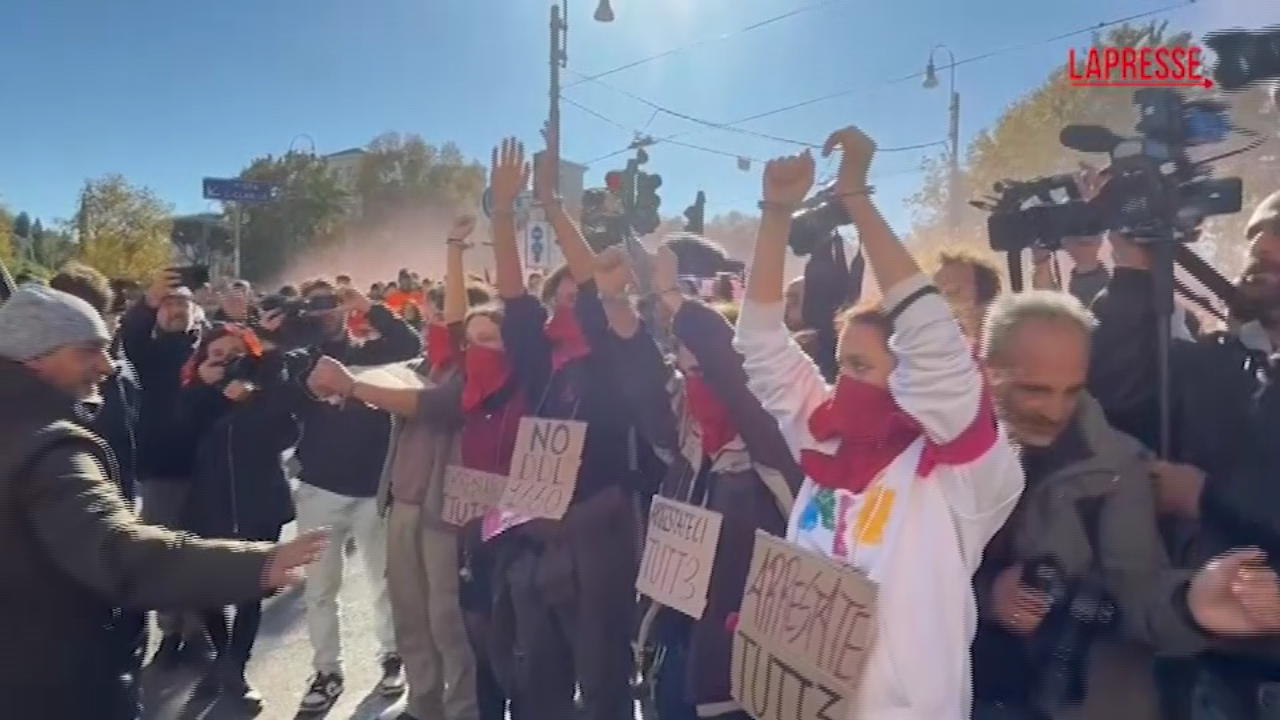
1153,191
816,221
274,368
302,326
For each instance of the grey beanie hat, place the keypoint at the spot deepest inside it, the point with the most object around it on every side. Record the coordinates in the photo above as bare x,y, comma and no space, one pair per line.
37,320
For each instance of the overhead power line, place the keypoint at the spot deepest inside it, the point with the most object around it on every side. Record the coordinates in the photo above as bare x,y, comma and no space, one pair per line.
731,126
714,151
820,5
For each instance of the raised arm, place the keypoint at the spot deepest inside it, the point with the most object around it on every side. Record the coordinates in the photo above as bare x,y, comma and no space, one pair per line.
936,380
508,175
784,379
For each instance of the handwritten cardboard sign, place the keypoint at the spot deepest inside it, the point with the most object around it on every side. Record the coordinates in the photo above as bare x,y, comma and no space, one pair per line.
544,467
803,635
679,549
468,493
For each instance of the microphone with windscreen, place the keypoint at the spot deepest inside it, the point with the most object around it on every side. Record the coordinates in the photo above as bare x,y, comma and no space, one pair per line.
1088,138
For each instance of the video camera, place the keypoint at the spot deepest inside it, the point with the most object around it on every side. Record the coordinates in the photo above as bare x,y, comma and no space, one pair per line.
814,224
301,326
1153,191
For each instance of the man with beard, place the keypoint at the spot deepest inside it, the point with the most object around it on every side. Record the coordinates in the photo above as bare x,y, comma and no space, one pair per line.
1217,482
158,336
343,450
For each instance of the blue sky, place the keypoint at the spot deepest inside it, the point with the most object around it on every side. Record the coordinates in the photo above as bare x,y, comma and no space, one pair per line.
168,91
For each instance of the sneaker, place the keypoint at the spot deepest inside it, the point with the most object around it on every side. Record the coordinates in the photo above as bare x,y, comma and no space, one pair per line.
234,686
325,690
392,682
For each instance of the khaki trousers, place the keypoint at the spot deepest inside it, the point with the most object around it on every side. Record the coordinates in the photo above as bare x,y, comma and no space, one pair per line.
422,574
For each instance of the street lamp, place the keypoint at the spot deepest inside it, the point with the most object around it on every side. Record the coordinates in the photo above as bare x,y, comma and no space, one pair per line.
604,12
311,142
559,59
953,176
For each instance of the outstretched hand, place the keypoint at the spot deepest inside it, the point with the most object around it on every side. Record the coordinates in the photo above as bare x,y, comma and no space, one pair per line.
1237,595
285,564
788,179
508,173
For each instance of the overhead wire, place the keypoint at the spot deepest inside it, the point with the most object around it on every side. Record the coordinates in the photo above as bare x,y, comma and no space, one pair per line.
820,5
731,126
702,148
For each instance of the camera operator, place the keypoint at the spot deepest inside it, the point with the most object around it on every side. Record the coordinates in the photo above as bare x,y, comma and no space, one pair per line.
158,336
342,453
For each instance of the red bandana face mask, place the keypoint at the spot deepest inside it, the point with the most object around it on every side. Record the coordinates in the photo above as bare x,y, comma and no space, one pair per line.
439,346
714,421
486,371
871,428
567,340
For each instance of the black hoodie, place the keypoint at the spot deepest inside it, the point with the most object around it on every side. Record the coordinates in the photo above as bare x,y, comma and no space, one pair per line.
344,448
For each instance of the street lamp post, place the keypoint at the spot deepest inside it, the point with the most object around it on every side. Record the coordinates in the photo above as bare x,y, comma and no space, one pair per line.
953,175
559,60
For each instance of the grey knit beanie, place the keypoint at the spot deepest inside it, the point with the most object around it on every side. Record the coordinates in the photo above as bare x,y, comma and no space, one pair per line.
37,320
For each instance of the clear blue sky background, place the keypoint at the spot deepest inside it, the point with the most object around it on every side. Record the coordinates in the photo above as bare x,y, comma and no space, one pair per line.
167,91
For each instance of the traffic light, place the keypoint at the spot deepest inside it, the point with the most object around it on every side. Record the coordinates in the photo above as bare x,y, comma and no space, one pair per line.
644,217
695,215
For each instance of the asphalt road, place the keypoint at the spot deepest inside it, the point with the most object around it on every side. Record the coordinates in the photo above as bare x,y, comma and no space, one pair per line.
282,664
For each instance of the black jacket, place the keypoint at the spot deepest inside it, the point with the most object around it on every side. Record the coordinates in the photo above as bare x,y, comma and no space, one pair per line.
239,488
1214,380
158,358
343,448
116,422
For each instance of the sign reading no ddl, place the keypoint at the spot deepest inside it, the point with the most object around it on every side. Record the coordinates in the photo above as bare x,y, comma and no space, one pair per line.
544,468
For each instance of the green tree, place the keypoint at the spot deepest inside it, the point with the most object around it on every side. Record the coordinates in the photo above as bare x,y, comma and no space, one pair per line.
403,173
123,230
22,226
51,248
6,237
1023,143
307,212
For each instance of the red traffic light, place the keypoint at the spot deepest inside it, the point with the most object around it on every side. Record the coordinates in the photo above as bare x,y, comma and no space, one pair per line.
613,181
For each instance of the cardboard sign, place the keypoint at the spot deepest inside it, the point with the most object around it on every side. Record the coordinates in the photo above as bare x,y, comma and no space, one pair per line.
544,467
803,635
468,494
679,549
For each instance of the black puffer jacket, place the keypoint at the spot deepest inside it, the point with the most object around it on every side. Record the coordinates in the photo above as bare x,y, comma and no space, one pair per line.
239,488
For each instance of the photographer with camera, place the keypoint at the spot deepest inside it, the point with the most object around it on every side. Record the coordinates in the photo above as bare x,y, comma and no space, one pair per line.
234,416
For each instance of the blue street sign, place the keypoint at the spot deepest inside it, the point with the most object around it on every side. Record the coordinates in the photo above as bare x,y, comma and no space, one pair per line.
235,190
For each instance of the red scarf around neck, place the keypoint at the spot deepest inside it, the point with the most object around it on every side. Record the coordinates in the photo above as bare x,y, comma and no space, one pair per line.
486,370
872,431
567,341
714,421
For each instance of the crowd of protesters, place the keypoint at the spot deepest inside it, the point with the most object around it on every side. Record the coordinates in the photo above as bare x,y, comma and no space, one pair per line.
982,457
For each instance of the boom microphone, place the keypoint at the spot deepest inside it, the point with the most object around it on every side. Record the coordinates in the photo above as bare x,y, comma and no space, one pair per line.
1088,138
